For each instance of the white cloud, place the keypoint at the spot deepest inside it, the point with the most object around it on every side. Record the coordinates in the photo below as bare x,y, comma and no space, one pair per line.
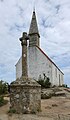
67,75
54,26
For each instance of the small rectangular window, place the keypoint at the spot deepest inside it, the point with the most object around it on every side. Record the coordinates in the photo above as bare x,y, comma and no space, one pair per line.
56,72
59,79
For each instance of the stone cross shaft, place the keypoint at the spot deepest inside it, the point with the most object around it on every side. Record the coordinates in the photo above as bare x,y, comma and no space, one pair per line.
23,40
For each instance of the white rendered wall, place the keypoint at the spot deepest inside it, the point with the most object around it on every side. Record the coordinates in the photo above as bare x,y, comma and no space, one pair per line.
57,77
38,64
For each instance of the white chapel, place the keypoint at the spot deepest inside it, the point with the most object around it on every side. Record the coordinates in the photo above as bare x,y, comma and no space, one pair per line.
38,62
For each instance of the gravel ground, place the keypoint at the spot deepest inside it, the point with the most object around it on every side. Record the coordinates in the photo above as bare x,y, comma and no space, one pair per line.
55,108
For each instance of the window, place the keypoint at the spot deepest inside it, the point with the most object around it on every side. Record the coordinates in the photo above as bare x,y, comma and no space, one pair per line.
59,80
56,72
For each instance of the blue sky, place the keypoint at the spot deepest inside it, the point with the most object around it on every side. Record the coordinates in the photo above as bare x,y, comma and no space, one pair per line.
53,18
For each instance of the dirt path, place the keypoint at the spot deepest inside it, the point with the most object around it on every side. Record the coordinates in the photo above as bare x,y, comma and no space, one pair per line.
56,105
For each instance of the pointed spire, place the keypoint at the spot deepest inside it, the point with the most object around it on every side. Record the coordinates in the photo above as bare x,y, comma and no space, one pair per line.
33,26
33,32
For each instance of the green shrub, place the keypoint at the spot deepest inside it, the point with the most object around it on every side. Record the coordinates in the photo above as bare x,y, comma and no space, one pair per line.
47,83
12,110
3,87
2,101
41,82
64,85
44,82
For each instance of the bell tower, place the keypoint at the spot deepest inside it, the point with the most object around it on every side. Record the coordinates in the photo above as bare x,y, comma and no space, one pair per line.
33,32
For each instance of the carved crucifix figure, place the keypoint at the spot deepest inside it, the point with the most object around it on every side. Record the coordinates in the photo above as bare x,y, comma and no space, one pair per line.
23,40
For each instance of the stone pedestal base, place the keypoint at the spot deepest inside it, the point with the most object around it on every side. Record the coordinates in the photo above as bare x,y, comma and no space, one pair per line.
25,96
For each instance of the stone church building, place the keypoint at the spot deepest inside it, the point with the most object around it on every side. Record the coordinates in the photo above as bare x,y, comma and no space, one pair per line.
37,61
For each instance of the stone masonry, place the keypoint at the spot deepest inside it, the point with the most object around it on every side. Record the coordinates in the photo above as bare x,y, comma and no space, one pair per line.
25,96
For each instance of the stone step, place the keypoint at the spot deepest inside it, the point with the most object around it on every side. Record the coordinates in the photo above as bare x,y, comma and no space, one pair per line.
60,93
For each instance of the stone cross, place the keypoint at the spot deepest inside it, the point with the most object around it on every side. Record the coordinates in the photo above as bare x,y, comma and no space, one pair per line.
25,96
23,40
